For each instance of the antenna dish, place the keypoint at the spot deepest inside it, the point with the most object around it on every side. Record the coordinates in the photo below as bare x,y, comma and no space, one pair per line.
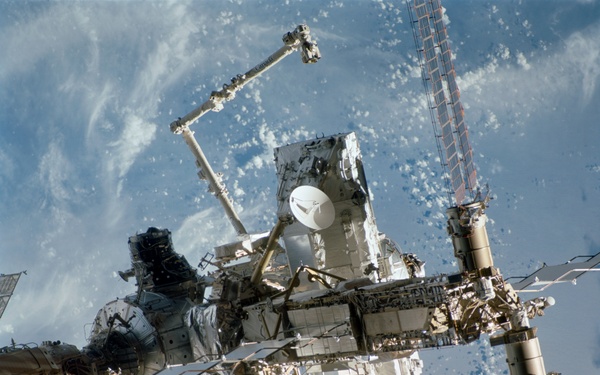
312,207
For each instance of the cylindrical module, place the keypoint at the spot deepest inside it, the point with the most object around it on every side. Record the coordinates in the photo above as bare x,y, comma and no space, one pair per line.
466,225
523,352
525,358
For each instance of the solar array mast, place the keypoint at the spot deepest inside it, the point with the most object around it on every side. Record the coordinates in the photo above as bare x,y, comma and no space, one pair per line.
467,220
443,97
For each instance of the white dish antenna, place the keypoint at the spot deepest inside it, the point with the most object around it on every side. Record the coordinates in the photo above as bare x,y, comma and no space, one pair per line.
312,207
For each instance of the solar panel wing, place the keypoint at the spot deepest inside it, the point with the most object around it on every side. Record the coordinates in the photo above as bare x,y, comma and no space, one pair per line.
7,286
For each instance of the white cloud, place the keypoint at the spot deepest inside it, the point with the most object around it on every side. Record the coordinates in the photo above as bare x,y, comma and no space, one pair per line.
522,61
191,237
99,102
55,174
7,328
136,136
583,54
567,74
7,167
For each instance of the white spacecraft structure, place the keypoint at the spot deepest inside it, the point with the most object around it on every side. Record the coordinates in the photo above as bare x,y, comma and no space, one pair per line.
324,291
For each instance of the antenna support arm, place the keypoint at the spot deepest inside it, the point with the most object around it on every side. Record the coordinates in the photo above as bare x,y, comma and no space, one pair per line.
261,267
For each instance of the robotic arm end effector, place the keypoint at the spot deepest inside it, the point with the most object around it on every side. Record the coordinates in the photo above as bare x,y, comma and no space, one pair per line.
309,50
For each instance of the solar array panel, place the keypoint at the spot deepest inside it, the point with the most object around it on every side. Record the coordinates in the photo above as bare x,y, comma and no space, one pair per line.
7,286
440,82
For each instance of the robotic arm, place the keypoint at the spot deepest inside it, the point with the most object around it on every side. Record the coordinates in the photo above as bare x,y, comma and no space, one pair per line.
299,39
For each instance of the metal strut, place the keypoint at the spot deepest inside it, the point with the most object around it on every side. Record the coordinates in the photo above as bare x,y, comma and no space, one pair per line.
299,39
